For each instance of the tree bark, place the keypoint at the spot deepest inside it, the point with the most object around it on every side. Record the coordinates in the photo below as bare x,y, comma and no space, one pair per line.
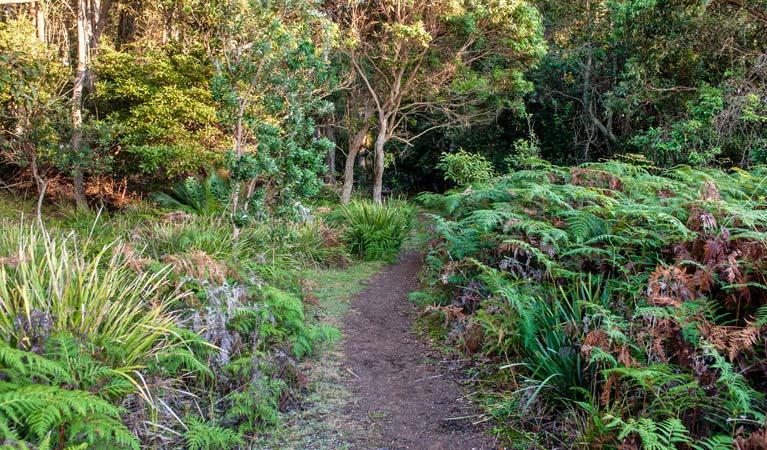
355,144
42,187
381,139
76,141
39,21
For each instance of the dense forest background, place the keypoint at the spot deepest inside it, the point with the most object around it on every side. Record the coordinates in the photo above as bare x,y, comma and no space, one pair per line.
103,99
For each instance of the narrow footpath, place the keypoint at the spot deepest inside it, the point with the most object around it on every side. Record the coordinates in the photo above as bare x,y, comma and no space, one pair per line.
400,390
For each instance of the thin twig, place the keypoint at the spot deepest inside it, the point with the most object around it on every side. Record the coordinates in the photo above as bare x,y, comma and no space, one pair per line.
429,378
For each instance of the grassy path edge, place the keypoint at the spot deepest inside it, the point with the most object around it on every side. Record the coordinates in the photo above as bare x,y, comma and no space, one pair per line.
320,422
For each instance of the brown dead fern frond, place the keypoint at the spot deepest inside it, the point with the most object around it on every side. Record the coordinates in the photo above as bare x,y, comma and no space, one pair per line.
197,264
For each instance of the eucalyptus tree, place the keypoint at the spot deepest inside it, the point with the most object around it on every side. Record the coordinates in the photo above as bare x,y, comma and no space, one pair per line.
458,61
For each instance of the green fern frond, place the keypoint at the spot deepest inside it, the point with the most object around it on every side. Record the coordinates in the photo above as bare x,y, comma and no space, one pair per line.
202,435
30,364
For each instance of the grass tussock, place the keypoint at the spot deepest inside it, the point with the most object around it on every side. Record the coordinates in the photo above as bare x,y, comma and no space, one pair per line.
376,231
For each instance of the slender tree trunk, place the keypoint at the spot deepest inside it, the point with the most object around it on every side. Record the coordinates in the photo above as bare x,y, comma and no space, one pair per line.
126,25
30,155
39,21
76,142
355,144
381,139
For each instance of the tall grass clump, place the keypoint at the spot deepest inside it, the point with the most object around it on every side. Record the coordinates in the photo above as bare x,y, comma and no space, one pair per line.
376,231
77,333
47,286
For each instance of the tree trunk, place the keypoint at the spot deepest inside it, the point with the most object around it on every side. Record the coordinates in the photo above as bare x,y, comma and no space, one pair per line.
76,142
39,21
355,144
126,26
381,139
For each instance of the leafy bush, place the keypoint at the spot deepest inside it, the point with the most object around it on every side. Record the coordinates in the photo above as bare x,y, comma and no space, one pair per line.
162,105
376,231
463,168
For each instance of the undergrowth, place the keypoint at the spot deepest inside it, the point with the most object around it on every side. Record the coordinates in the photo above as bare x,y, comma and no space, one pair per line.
157,330
631,299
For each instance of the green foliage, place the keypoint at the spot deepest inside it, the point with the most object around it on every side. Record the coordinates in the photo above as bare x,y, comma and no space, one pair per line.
286,320
611,290
375,231
202,435
269,78
49,285
160,104
204,198
33,112
63,395
669,433
691,141
463,168
256,406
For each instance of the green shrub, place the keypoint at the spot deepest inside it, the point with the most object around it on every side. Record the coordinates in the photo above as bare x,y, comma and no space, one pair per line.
376,231
161,102
463,168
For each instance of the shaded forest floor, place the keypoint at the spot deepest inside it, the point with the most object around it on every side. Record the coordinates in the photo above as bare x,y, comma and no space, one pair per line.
383,386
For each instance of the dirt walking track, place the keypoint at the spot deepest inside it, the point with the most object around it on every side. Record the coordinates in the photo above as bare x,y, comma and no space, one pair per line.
399,388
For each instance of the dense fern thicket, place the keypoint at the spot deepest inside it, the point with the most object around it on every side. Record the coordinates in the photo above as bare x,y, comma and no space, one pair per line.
631,298
151,330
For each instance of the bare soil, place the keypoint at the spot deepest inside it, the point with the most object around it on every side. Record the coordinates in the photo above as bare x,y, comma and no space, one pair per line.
403,393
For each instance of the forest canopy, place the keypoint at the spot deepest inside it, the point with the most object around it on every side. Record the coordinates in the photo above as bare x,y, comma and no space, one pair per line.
101,94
